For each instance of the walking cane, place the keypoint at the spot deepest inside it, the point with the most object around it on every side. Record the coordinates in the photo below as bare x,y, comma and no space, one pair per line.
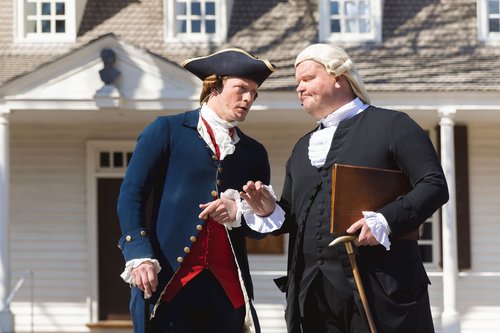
347,240
147,315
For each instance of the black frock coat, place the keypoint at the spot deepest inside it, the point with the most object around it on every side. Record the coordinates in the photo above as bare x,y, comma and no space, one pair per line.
395,281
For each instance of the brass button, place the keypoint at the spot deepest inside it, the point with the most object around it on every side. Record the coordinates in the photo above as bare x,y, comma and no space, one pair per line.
214,158
220,170
215,194
180,260
187,249
143,233
199,227
192,239
218,182
128,238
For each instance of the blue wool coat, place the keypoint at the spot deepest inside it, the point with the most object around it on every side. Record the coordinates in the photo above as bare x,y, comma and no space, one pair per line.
173,163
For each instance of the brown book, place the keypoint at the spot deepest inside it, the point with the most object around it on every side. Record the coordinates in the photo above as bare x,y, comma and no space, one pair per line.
356,189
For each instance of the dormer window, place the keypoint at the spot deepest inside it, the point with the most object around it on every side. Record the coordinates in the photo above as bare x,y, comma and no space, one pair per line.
45,20
350,20
488,12
196,20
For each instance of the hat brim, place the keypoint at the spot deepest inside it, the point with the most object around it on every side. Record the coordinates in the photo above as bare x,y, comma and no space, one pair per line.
231,62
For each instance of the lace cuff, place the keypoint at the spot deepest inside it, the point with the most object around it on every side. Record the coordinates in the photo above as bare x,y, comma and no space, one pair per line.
233,195
264,224
134,263
379,227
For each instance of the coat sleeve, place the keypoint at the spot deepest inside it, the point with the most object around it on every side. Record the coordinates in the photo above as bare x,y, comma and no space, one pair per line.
416,157
150,154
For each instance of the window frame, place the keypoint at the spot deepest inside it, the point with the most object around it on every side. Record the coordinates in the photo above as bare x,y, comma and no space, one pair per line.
21,18
484,34
375,35
221,23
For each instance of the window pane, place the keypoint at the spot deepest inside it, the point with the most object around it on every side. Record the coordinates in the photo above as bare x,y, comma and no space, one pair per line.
364,8
334,8
351,9
118,159
31,26
195,26
129,157
210,26
45,25
364,25
210,8
350,26
426,252
46,8
196,8
493,7
494,25
335,26
60,26
181,8
181,26
104,160
60,10
426,230
30,8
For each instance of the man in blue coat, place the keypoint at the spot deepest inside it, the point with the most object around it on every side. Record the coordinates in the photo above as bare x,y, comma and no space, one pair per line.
321,293
190,260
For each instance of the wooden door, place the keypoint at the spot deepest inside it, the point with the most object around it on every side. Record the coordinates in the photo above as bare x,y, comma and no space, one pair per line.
114,293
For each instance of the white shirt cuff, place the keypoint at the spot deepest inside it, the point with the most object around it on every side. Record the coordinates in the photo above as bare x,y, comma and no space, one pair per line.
233,195
264,224
134,263
379,227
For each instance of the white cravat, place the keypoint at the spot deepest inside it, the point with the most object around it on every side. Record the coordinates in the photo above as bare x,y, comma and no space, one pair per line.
221,132
321,140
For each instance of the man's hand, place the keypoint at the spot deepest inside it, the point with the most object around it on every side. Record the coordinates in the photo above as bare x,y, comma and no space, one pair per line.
365,236
220,210
260,200
145,278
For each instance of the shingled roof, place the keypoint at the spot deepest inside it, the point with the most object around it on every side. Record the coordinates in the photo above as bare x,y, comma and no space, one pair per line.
427,45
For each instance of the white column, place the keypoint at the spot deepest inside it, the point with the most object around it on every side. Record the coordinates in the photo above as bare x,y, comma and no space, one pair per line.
450,319
6,317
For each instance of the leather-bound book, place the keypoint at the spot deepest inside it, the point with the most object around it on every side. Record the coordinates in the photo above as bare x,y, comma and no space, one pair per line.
356,189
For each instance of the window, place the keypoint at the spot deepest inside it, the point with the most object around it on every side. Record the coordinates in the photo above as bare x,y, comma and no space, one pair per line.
350,20
45,20
429,242
196,20
488,12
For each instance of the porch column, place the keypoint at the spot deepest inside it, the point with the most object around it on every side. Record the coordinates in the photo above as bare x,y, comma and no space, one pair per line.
6,317
450,320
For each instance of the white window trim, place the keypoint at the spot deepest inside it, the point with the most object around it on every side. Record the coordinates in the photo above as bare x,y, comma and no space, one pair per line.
222,12
94,172
21,36
376,25
484,34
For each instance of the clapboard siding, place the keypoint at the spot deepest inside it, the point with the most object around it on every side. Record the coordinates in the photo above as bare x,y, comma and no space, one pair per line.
49,221
485,197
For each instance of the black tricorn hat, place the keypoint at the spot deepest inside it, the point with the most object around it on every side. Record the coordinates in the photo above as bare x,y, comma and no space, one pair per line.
230,62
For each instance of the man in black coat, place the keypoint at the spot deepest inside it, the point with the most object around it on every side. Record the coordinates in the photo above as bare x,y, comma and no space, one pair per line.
320,289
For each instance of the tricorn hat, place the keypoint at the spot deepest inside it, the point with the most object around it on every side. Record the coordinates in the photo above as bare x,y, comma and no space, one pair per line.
230,62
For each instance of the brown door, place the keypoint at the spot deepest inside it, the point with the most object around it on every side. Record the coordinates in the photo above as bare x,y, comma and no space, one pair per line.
114,293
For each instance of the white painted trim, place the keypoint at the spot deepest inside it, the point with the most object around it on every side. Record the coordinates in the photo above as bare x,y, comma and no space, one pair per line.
483,32
93,148
21,36
325,34
222,19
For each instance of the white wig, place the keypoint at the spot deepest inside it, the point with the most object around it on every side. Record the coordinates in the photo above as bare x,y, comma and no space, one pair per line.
336,62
